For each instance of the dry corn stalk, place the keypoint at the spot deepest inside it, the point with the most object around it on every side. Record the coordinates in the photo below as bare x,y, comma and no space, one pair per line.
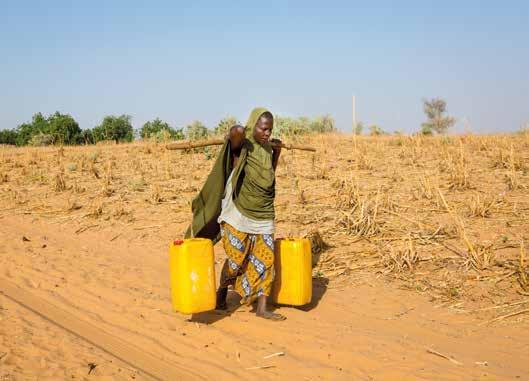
156,196
60,183
481,207
397,260
522,272
361,219
480,256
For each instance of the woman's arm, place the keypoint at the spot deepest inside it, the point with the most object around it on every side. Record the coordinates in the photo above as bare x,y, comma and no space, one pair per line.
236,136
277,152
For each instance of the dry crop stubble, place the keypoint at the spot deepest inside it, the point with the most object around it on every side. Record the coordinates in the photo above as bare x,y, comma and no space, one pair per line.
373,201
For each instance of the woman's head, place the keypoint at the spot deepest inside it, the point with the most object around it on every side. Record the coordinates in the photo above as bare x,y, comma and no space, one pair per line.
262,130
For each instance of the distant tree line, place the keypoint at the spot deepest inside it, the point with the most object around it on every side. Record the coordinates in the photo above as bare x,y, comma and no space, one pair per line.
437,120
63,129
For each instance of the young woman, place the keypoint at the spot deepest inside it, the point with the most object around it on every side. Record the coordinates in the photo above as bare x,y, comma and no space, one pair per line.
236,205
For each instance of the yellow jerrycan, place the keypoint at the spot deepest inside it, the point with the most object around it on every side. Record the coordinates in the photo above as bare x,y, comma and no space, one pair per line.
192,275
293,264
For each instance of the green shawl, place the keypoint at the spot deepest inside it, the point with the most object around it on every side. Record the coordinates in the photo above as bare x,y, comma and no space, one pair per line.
253,183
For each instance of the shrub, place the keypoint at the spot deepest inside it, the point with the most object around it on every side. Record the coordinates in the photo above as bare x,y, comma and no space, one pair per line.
196,131
8,137
375,130
286,126
322,124
225,124
160,130
117,128
62,127
41,140
358,128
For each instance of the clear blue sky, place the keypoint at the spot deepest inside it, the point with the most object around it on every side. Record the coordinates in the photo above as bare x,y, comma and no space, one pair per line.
182,61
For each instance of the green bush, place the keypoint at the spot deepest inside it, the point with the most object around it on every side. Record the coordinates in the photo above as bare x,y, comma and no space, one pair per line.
375,130
61,127
197,131
86,137
225,124
41,140
117,128
358,128
160,130
285,126
322,124
426,130
8,137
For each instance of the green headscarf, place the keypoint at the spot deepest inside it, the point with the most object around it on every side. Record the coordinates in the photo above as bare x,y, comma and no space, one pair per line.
253,183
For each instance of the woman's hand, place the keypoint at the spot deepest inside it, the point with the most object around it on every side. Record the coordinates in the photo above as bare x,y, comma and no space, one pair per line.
277,151
236,136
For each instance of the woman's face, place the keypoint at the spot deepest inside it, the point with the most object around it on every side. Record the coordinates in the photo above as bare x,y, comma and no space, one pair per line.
263,130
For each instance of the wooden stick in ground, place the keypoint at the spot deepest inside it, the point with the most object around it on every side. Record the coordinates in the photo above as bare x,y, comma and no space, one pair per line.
433,352
506,316
218,142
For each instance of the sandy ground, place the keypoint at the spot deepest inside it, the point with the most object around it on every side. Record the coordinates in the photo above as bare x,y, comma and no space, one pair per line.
407,289
365,330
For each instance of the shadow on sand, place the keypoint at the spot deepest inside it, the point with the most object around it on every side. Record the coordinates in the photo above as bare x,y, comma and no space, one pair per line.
210,317
319,287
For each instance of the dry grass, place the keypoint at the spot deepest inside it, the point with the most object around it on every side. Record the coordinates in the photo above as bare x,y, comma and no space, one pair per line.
480,206
59,184
522,270
443,215
403,257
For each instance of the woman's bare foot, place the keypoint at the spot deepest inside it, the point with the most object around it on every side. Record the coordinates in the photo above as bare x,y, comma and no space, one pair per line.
264,313
271,316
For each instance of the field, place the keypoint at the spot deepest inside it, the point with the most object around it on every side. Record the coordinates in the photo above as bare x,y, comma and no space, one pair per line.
419,248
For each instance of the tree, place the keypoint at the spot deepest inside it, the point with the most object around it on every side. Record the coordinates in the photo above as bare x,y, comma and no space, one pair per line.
63,128
151,128
196,131
86,137
285,126
358,128
56,128
117,128
225,124
8,137
160,130
375,130
26,131
438,121
322,124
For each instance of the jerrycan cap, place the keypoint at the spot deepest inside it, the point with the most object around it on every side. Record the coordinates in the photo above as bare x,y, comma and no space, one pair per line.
178,242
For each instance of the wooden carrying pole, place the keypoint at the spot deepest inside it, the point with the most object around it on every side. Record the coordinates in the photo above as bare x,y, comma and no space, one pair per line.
218,142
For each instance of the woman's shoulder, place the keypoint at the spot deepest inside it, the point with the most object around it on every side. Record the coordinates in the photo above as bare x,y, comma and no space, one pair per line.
252,146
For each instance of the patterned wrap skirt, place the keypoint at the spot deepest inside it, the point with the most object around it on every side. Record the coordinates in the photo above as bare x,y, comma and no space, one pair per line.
250,267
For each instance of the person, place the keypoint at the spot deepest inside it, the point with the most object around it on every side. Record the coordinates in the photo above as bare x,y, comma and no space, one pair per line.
236,205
